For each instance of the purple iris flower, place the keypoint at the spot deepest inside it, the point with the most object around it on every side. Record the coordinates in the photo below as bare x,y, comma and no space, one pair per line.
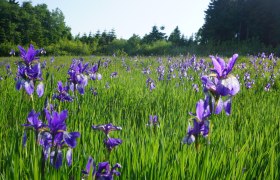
44,64
62,93
90,164
249,84
146,70
221,84
110,143
34,121
221,68
160,71
57,138
114,74
93,73
214,99
93,91
153,121
200,122
151,84
107,128
56,121
30,55
8,70
227,84
29,73
52,60
195,87
77,78
267,87
12,52
71,138
223,104
103,170
199,128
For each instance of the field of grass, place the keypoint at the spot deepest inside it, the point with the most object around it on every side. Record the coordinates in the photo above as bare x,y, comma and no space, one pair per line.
244,145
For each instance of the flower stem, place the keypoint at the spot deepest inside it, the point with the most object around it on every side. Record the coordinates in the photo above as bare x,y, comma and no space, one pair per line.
197,144
43,165
32,99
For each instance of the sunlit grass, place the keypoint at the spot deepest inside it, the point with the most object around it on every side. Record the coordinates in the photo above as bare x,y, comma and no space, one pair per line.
244,145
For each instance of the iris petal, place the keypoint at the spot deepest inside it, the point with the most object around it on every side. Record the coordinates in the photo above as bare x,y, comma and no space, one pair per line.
40,89
219,106
227,106
29,87
69,157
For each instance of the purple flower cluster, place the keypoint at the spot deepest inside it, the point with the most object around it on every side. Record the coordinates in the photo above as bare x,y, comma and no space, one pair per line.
219,89
53,136
109,142
77,76
221,84
92,72
102,171
200,122
153,121
63,93
29,71
151,84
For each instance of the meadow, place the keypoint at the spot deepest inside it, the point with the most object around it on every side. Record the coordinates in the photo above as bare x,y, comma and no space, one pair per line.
243,145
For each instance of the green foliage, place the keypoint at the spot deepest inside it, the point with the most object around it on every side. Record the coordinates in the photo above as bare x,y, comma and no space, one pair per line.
154,35
5,48
244,145
68,47
242,20
243,26
26,23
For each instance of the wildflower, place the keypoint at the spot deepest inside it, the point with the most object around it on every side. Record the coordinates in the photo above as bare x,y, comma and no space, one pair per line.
93,91
267,87
77,78
221,84
30,55
54,137
12,52
227,84
151,84
114,74
153,121
93,73
34,121
62,93
110,143
27,76
200,123
106,128
52,59
8,70
104,171
28,72
90,164
195,87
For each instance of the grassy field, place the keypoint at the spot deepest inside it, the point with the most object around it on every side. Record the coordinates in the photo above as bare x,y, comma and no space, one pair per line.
244,145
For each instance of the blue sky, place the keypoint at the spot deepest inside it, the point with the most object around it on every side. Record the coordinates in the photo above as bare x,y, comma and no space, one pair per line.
130,16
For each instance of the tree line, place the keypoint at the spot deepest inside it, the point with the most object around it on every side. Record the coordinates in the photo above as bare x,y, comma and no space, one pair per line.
244,26
242,20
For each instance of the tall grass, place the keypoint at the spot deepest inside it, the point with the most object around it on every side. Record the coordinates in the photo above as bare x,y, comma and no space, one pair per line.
244,145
